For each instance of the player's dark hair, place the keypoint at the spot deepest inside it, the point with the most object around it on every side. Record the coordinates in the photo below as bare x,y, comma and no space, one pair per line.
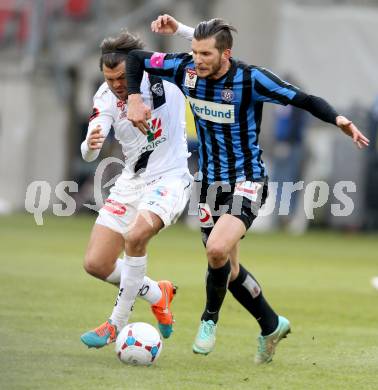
114,49
217,28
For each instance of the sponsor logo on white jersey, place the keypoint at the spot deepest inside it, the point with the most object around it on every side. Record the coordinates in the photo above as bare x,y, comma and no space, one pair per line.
213,112
155,134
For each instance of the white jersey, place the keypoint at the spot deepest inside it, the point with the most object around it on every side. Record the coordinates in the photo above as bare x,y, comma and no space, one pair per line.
164,150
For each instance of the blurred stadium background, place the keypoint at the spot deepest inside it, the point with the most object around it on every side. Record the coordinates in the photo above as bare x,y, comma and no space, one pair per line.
49,72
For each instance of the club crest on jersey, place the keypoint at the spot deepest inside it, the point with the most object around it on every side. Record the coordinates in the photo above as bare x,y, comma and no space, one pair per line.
121,105
190,78
227,95
157,89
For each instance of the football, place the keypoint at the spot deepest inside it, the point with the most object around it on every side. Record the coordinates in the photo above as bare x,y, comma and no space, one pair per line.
138,344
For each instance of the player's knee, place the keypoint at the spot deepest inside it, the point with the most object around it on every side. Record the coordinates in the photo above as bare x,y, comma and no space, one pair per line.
216,253
137,239
93,267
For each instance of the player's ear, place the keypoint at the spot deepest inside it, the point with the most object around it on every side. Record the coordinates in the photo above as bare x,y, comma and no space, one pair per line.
227,54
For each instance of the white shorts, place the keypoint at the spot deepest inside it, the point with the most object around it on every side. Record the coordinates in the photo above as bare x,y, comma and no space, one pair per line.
164,196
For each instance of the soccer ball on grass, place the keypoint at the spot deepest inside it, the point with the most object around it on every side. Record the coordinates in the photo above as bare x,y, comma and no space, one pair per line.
138,344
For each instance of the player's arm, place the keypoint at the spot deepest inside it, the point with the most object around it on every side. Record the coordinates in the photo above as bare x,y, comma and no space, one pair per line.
164,65
99,126
321,109
168,25
269,87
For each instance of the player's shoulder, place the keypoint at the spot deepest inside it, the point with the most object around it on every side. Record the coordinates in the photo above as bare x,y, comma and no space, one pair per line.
181,60
247,67
104,97
103,91
258,70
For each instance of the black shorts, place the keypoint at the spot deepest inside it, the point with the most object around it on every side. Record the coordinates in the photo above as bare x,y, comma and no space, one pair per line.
242,200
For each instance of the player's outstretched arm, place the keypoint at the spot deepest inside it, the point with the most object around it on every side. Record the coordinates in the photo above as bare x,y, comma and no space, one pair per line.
269,87
321,109
352,131
164,25
168,25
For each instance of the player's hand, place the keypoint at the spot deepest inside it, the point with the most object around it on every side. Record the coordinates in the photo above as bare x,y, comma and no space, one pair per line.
165,25
96,138
352,131
138,113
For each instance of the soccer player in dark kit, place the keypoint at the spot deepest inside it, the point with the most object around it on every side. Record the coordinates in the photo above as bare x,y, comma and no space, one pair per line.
226,97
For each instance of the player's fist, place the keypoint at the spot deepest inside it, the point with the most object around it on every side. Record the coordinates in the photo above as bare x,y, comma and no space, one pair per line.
95,139
165,25
352,131
138,113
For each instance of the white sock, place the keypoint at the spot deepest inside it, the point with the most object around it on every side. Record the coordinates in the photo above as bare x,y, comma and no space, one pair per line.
132,275
149,289
115,276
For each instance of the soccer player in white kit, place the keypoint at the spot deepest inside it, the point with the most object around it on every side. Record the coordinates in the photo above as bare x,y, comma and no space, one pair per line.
150,193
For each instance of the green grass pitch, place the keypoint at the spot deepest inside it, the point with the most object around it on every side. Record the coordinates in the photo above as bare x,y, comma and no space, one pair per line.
320,281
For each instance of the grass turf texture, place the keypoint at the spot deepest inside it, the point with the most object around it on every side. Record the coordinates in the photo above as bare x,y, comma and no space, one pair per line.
320,281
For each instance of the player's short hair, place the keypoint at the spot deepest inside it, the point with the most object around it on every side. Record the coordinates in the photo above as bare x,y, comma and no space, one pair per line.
115,49
217,28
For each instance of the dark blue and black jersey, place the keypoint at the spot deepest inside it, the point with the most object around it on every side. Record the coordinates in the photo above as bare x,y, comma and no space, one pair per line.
227,111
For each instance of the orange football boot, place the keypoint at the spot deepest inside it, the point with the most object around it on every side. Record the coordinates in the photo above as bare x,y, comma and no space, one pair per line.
161,309
101,336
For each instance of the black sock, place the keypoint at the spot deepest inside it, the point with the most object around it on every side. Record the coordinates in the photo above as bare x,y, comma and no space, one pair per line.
248,293
216,288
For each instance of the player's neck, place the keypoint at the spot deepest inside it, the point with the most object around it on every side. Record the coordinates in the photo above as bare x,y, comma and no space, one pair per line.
222,71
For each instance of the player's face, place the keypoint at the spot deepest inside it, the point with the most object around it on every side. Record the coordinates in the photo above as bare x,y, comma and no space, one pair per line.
209,61
116,80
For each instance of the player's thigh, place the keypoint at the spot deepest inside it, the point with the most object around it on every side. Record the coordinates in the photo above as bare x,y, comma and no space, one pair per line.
145,225
226,233
167,197
104,247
